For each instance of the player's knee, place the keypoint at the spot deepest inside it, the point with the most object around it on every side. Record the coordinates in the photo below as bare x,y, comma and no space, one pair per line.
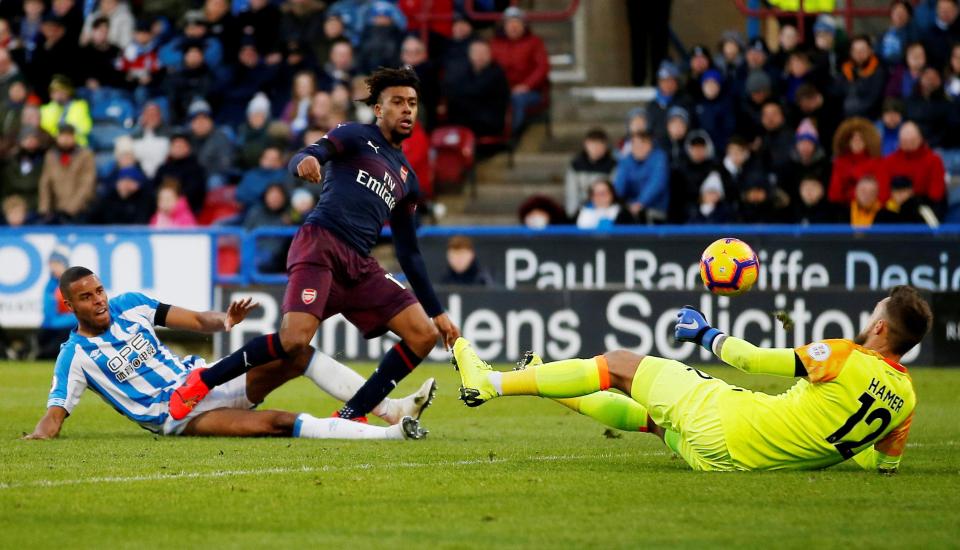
622,365
424,339
296,340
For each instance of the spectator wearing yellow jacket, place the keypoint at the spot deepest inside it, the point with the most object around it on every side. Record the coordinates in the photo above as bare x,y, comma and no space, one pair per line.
63,108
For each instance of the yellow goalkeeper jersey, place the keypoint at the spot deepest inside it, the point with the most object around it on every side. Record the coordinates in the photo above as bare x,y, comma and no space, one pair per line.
852,400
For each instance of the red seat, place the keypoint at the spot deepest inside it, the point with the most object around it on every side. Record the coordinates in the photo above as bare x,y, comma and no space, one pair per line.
454,149
228,258
219,204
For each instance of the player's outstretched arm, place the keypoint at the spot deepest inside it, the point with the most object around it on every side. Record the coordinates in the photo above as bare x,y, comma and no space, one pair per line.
49,426
692,326
209,321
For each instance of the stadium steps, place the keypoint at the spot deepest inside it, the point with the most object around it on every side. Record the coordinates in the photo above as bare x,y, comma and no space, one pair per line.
528,168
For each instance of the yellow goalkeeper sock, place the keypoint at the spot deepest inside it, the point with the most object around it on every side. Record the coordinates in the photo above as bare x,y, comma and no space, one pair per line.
569,378
609,408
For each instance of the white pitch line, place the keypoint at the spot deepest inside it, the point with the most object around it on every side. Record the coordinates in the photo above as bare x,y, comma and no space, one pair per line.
303,469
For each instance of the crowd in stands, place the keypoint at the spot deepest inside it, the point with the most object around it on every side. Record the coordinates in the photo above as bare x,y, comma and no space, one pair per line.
183,113
846,129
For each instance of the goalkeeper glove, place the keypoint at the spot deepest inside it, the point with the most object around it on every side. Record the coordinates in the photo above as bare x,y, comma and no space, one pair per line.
693,327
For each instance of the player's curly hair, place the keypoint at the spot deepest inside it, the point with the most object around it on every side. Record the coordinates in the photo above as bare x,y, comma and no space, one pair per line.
384,78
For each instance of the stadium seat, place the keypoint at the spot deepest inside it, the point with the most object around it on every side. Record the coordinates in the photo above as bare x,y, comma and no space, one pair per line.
453,156
113,108
228,257
220,204
105,164
541,113
504,141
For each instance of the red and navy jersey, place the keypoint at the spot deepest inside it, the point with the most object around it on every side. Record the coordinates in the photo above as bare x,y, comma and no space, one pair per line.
365,180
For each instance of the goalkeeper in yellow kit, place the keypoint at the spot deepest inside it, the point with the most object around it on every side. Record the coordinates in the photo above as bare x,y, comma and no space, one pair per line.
854,399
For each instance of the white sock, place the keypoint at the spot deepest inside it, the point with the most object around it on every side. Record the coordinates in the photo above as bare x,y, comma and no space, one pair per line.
339,380
312,427
496,378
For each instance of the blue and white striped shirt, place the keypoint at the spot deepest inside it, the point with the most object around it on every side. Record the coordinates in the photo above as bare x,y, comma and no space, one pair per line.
127,365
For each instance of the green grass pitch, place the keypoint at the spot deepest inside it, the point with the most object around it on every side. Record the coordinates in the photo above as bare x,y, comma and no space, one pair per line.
518,472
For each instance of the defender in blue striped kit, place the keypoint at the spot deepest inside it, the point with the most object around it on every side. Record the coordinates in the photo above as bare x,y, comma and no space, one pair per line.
116,353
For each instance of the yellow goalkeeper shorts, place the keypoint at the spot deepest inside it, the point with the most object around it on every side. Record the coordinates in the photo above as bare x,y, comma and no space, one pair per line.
686,400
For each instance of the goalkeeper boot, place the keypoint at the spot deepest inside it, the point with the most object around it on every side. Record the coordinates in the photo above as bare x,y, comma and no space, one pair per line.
185,398
412,429
412,405
476,386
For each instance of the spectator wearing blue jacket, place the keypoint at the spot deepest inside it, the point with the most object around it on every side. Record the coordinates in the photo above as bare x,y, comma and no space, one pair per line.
254,183
642,179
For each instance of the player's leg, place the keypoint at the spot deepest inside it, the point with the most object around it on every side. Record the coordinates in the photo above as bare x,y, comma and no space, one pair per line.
303,303
244,423
567,378
342,383
336,379
375,304
610,408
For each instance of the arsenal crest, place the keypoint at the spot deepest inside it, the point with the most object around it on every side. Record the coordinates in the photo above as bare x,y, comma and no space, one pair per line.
403,173
308,295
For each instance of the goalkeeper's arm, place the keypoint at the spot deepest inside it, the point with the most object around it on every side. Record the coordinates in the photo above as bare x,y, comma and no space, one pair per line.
755,360
693,327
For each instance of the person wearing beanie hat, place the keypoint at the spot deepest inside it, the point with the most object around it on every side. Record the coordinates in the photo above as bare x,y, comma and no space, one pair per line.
715,111
699,63
523,57
677,127
711,207
669,94
213,148
64,107
729,56
807,158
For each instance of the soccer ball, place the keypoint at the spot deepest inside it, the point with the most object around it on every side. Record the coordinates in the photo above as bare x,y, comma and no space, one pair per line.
729,267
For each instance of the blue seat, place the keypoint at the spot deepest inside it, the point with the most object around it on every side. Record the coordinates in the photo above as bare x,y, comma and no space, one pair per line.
105,165
113,108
